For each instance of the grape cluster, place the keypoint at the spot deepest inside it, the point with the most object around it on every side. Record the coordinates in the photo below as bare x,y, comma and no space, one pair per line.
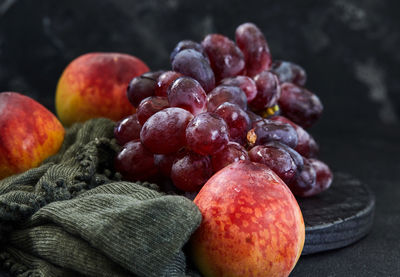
222,101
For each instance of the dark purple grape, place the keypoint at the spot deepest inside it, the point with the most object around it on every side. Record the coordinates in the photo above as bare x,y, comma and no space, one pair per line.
237,120
289,72
188,94
306,145
231,153
268,91
253,116
154,75
245,83
127,129
135,162
191,171
188,44
193,64
299,105
275,158
222,94
254,47
140,88
226,59
312,180
304,183
207,133
297,158
164,131
164,82
265,131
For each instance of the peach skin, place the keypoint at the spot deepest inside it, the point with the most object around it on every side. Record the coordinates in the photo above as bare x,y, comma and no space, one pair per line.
252,224
94,85
29,133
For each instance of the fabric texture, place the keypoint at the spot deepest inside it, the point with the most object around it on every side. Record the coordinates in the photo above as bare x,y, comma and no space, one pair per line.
74,216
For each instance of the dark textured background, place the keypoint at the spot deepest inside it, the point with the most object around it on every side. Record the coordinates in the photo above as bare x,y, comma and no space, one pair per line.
350,50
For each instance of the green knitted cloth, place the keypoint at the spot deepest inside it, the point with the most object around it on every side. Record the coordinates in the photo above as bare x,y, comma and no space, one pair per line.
73,216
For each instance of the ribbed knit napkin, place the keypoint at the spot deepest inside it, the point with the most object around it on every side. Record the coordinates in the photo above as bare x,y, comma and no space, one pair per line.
73,216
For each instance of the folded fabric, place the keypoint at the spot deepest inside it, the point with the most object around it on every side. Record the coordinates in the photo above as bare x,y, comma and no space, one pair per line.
73,216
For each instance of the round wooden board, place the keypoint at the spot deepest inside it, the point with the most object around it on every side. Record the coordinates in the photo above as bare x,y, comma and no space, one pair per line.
339,216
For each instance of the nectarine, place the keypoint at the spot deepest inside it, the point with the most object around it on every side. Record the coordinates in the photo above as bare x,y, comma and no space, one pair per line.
94,85
252,224
29,133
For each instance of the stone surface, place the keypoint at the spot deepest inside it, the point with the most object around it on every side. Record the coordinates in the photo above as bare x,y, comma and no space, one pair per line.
339,216
373,156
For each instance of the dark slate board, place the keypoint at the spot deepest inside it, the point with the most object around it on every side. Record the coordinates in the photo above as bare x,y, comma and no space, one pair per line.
339,216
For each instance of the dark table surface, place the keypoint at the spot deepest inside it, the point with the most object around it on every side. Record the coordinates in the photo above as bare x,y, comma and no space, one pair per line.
373,157
349,49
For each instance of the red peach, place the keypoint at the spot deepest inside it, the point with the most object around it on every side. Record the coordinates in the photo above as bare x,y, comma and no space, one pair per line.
252,224
94,85
29,133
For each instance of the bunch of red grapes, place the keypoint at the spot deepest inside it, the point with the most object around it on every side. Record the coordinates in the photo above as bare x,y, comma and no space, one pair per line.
222,102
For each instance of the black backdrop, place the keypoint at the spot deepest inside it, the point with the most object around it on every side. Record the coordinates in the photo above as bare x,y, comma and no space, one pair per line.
350,50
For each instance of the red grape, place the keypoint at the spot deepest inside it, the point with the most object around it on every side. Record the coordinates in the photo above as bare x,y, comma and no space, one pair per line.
140,88
191,171
299,105
164,82
207,133
150,106
289,72
268,91
222,94
306,145
164,131
193,64
135,162
277,159
164,161
324,176
254,47
226,59
237,120
245,83
127,129
265,131
188,94
219,100
231,153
